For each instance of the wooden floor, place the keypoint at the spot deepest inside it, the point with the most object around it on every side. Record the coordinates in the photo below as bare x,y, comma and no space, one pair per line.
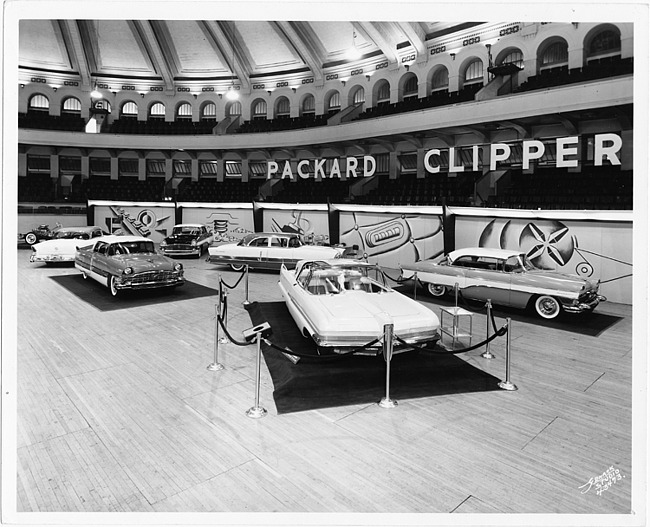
117,412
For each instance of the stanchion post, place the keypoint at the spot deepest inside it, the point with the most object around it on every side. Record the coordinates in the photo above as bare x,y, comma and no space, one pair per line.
486,354
456,294
224,316
216,365
257,411
387,402
507,385
415,285
246,302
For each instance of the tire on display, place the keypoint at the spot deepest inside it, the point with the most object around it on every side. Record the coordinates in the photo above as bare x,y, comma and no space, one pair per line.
436,289
31,238
111,285
237,267
547,307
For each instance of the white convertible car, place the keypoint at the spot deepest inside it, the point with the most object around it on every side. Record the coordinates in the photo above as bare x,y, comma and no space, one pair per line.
269,250
506,277
63,246
341,306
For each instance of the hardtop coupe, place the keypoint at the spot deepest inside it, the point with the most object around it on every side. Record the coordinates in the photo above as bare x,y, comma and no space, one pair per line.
187,239
269,250
508,278
128,262
62,247
342,306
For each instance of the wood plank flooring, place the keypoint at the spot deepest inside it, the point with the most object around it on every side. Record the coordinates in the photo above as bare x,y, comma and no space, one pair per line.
117,412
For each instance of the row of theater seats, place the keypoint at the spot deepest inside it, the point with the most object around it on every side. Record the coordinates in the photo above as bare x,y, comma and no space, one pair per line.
562,75
44,121
161,127
280,124
210,190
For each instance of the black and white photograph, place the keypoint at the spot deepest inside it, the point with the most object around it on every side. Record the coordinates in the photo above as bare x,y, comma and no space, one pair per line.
324,263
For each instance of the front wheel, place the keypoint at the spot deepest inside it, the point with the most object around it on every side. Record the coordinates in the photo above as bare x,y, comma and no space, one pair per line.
31,238
436,289
547,307
112,287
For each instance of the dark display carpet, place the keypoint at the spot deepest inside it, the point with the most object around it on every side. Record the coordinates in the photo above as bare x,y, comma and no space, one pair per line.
315,383
592,324
100,297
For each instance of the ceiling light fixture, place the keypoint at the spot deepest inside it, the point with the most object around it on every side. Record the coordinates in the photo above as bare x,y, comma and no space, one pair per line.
96,94
354,53
231,94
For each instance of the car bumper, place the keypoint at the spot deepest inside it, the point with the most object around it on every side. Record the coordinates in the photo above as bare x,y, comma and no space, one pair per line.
180,252
51,258
346,344
137,283
581,307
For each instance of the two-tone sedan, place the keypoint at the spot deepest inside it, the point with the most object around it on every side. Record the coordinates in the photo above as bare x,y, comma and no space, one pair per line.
506,278
63,246
344,304
128,262
269,250
187,239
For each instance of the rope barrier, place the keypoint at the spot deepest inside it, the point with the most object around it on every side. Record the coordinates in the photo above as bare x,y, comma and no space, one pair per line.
398,280
499,333
236,284
308,356
225,330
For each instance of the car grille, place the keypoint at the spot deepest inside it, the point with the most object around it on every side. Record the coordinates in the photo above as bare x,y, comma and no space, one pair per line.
153,276
179,247
588,296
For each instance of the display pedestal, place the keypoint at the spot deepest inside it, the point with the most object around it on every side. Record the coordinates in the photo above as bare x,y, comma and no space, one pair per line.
454,329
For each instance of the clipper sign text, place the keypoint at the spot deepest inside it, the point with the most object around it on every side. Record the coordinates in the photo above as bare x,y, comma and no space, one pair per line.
605,147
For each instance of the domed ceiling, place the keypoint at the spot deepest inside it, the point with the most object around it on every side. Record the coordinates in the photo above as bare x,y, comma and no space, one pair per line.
200,53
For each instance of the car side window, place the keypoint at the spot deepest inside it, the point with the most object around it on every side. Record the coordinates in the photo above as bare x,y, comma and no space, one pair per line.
100,248
276,242
512,265
304,275
260,242
294,242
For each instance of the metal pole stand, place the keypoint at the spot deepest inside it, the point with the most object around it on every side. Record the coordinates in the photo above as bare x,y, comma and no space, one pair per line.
257,411
415,285
224,316
486,354
246,302
387,402
216,366
507,385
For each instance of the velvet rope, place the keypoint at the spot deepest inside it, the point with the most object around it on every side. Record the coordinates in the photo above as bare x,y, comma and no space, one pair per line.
308,356
236,284
499,333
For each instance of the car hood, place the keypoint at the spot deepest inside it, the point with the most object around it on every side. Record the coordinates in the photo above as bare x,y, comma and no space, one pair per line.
180,238
144,262
61,245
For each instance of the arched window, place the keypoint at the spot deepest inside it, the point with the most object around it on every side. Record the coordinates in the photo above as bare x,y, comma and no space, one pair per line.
39,102
235,109
555,54
309,106
209,112
383,93
515,57
411,88
474,72
282,108
157,111
259,110
184,112
129,109
605,43
334,103
440,80
71,105
359,96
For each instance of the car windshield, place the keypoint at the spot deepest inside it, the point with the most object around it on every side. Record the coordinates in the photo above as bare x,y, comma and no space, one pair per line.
188,231
72,235
335,280
136,247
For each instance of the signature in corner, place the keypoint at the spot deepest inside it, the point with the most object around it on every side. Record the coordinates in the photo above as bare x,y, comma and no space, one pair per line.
603,481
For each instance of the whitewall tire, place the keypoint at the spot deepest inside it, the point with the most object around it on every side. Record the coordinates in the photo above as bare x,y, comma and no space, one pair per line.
547,307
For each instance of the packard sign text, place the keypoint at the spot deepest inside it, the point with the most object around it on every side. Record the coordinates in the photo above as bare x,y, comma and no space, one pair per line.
306,167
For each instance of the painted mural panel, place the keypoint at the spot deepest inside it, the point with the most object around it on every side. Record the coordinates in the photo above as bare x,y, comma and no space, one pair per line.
228,224
149,220
391,239
312,225
590,249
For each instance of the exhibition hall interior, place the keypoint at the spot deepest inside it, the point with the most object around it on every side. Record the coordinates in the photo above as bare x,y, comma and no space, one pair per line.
313,269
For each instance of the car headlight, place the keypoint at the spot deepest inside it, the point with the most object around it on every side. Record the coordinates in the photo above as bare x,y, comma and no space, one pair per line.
128,270
178,267
193,244
163,243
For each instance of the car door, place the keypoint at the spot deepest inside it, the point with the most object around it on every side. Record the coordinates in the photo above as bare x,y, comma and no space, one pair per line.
255,252
278,252
99,260
485,279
